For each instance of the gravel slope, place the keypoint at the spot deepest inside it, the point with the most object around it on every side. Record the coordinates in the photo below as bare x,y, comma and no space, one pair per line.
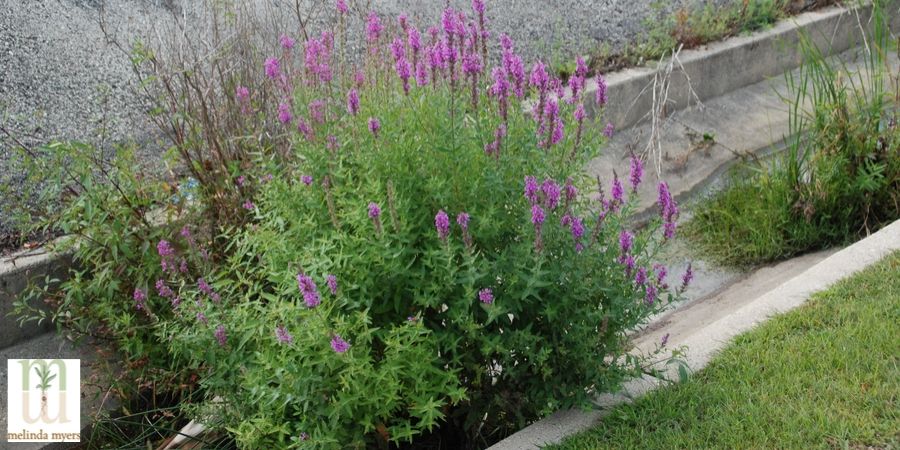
59,79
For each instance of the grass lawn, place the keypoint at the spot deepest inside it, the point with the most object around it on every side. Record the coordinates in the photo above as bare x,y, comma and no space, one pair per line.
825,375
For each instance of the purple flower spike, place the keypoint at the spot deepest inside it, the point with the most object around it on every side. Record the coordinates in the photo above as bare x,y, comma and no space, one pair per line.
478,6
353,101
651,294
164,248
486,296
331,281
600,95
570,191
338,344
341,7
374,126
442,224
284,113
531,189
668,210
283,336
577,228
249,206
463,220
309,290
373,27
661,273
551,193
204,286
286,42
374,210
139,298
687,277
618,191
640,277
637,172
626,241
272,68
664,341
221,337
537,215
609,130
242,93
163,290
539,77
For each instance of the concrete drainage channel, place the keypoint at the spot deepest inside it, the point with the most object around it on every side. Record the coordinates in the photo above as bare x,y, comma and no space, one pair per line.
742,112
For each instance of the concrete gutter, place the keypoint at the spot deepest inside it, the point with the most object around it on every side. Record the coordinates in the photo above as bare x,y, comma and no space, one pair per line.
703,343
721,67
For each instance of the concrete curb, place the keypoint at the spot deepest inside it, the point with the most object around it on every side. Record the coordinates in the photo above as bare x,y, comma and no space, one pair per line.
16,272
722,67
705,342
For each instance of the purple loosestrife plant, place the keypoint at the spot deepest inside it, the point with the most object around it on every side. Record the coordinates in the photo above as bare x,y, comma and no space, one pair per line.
479,310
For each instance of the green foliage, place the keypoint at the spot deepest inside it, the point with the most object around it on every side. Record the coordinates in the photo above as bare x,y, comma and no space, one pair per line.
821,376
838,179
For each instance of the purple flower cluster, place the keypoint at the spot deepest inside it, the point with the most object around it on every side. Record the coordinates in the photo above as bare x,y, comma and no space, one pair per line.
306,179
577,80
617,191
374,126
373,28
331,281
286,42
687,277
626,242
140,298
309,290
282,335
205,288
442,224
551,193
317,58
353,101
164,290
374,210
338,344
317,110
637,172
272,67
668,210
221,336
486,296
284,113
600,93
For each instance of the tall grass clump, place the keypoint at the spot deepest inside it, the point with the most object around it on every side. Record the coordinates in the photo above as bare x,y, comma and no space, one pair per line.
373,251
839,177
